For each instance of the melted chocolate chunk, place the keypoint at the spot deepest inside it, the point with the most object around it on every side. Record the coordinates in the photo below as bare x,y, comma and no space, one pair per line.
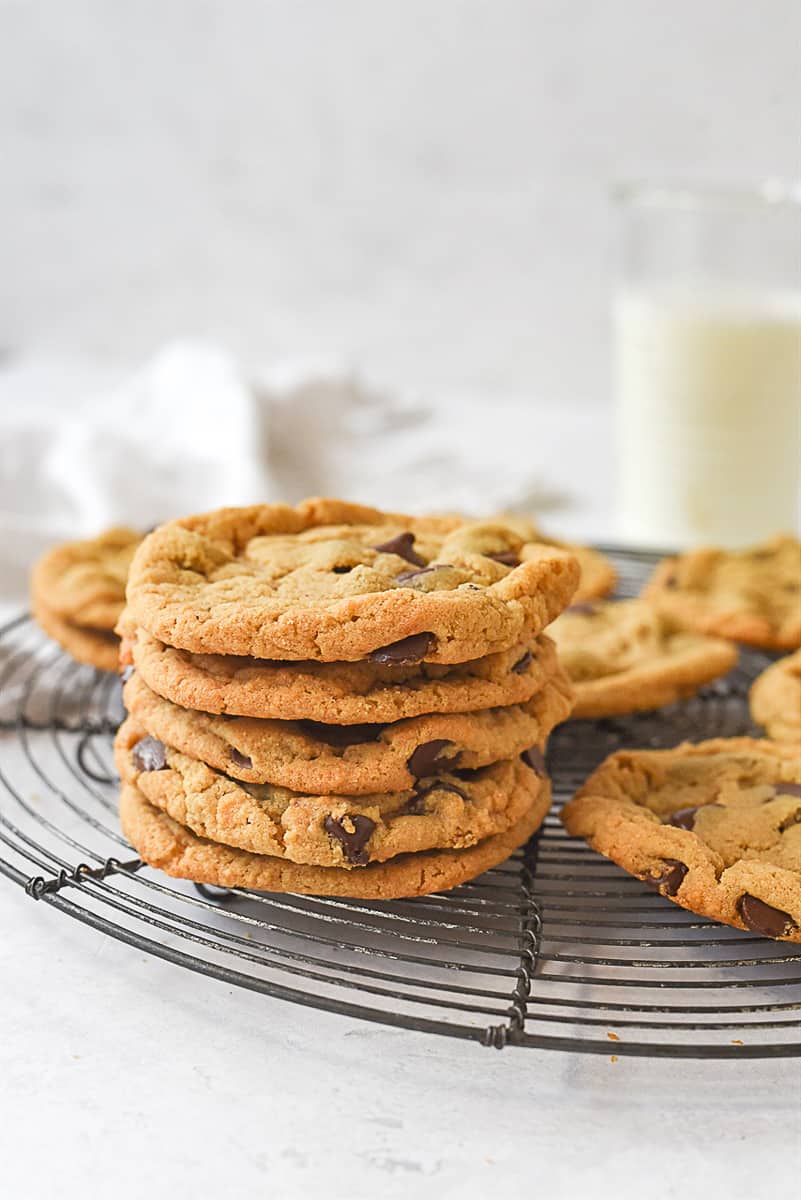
406,652
239,760
353,832
788,789
507,558
440,785
149,754
682,818
534,758
583,609
408,576
403,546
428,759
669,879
342,735
523,664
126,674
763,918
416,805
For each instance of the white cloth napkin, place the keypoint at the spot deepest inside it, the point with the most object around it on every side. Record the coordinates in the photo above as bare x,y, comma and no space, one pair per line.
83,446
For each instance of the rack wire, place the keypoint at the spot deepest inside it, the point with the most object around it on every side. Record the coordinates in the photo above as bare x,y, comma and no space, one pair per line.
555,949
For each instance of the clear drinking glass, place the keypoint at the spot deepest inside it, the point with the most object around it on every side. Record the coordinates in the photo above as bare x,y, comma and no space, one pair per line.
708,363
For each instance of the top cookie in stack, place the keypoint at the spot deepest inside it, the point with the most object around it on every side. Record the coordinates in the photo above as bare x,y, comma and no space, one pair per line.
329,687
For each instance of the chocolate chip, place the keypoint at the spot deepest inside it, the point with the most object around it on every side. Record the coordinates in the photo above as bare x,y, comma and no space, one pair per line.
533,757
793,819
126,674
408,576
670,879
149,754
239,760
403,546
682,818
406,652
342,735
353,832
507,558
788,789
341,570
428,759
763,918
441,785
523,664
583,609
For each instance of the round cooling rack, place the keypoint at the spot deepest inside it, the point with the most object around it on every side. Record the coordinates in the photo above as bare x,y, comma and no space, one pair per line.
557,948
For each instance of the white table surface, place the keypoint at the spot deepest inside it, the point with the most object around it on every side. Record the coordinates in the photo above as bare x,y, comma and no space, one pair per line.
128,1075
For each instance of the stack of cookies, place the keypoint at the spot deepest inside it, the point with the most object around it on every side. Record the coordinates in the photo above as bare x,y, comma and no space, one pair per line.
332,700
78,593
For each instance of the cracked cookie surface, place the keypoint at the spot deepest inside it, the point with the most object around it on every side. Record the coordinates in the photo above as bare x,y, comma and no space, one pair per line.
336,693
751,596
775,700
332,582
174,849
714,826
625,656
83,582
446,810
309,756
597,573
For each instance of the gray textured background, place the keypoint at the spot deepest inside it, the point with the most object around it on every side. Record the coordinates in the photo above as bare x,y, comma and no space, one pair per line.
414,187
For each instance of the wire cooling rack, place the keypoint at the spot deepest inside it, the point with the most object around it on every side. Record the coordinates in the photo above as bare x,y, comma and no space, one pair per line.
557,948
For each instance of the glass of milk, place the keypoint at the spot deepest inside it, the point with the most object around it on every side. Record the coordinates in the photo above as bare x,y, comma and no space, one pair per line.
708,364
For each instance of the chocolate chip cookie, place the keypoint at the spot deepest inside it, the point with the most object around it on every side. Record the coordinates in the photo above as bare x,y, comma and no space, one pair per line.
751,596
336,693
775,700
95,647
625,657
445,810
335,582
84,582
597,574
716,827
171,847
307,756
78,593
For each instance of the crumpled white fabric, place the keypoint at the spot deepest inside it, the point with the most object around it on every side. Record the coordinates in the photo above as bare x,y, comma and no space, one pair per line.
84,446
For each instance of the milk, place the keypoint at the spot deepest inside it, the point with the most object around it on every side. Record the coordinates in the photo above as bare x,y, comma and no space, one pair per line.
709,395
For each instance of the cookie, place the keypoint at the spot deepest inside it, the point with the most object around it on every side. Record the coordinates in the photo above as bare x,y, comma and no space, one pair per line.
716,827
336,693
775,699
84,582
443,811
597,574
751,596
335,582
625,657
350,759
169,846
94,647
